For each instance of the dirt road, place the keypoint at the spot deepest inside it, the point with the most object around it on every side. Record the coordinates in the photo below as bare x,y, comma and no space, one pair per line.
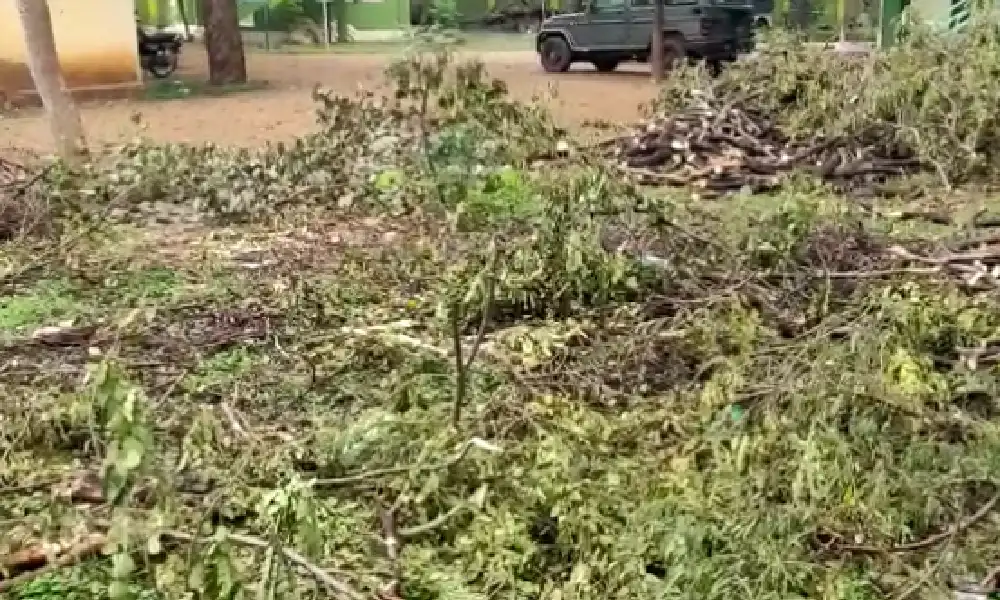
285,109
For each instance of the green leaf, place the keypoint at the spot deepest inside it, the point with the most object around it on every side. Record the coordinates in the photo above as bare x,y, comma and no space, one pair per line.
132,451
122,566
153,545
118,590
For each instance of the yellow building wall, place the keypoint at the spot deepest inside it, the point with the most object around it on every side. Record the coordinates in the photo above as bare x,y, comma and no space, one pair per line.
95,40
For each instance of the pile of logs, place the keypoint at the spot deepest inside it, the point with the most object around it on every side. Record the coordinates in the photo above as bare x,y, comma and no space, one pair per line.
11,172
724,148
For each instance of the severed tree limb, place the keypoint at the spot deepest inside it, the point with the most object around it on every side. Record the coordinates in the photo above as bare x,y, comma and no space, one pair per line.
931,540
291,555
409,532
40,560
392,542
377,473
234,420
462,366
28,488
456,336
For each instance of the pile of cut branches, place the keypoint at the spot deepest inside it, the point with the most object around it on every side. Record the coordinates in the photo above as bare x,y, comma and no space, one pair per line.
554,384
722,146
22,212
851,121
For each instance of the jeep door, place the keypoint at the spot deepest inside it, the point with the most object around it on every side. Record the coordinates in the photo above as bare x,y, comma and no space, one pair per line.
604,26
679,17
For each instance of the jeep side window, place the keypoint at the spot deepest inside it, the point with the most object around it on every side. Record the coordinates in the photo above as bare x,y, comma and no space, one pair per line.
604,6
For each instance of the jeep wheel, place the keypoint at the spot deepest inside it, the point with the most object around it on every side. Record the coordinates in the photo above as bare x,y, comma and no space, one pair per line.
673,52
606,65
555,55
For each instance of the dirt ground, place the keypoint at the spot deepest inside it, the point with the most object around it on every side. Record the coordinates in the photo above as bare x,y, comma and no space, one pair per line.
285,108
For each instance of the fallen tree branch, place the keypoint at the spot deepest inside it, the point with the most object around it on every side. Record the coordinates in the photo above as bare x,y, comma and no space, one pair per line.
930,540
948,259
378,473
234,420
393,544
291,555
28,488
36,560
43,558
409,532
11,276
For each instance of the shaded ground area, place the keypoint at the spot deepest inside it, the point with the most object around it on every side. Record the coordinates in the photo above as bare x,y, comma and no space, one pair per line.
286,109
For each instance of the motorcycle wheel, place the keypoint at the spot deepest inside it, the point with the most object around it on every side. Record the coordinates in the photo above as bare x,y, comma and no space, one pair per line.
163,69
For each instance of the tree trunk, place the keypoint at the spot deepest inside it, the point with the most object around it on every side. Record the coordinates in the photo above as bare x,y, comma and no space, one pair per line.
656,49
182,11
46,73
223,42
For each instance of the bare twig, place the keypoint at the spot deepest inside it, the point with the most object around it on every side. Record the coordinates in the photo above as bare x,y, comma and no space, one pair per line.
456,336
234,420
990,580
409,532
28,488
462,367
377,473
930,540
927,574
947,259
392,542
291,555
99,220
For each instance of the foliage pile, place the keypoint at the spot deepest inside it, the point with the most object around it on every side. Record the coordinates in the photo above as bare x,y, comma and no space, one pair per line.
929,99
465,378
361,148
23,212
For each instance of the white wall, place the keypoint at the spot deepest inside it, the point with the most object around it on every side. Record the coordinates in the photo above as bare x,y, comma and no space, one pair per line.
934,12
95,40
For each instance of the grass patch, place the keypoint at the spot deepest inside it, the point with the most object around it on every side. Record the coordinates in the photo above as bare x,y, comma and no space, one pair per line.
179,89
48,301
471,42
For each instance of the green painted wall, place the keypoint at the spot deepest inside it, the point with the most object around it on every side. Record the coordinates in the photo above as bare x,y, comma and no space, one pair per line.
362,14
474,10
371,14
160,13
385,14
469,10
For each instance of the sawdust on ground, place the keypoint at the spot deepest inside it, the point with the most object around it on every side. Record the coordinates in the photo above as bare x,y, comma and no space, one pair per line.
285,109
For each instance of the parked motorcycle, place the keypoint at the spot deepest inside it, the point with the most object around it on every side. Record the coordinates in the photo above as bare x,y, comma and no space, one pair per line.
158,52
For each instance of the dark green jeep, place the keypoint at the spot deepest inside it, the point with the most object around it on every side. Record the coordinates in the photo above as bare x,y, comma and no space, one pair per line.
607,32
